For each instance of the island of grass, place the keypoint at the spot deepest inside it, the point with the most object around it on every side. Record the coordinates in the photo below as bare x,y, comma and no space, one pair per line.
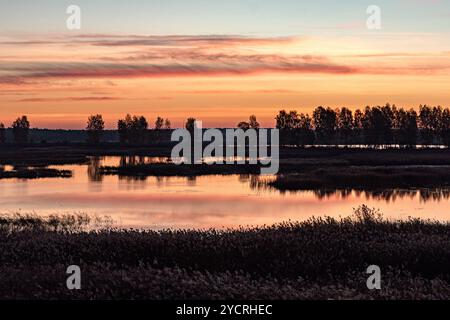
35,173
317,259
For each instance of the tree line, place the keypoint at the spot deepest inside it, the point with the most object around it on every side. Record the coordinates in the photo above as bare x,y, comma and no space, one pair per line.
131,129
372,126
20,129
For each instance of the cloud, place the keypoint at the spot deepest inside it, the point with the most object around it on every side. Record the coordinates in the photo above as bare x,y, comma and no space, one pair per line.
198,41
200,66
189,56
222,91
69,99
110,40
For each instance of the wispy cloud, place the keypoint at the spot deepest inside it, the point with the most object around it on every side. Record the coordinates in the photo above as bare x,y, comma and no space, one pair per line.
181,40
64,99
111,40
135,56
95,70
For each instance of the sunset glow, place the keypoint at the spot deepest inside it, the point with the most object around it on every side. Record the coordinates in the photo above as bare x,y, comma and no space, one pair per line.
221,74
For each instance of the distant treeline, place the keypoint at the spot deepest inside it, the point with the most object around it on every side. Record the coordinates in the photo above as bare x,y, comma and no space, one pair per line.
372,126
130,130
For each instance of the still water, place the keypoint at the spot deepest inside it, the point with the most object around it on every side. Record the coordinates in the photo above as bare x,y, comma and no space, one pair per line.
202,202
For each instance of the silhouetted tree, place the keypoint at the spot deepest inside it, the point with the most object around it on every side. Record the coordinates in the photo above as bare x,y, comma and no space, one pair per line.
95,126
282,120
2,133
426,124
287,123
377,125
159,123
345,124
358,119
358,124
139,129
122,127
388,116
295,129
405,124
324,123
304,134
244,125
21,129
254,124
133,129
167,124
436,115
190,124
445,127
251,124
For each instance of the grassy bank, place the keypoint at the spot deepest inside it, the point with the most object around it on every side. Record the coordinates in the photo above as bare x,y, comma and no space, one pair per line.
35,173
317,259
170,169
365,178
46,154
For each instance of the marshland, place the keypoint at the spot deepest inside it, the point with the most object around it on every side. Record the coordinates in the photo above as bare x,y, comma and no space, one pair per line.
214,231
321,258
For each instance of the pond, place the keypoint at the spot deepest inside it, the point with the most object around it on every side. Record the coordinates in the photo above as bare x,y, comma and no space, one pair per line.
201,202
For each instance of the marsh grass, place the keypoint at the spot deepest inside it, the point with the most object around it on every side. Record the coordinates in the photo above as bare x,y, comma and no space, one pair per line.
65,223
320,258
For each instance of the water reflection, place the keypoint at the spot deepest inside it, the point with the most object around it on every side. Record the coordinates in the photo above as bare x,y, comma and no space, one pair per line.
93,170
390,195
204,201
387,195
261,183
140,160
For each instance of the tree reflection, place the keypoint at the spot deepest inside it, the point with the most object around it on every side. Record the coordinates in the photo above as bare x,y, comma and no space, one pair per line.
93,170
388,195
141,160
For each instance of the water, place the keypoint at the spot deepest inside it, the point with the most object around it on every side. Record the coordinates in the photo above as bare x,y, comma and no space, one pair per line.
202,202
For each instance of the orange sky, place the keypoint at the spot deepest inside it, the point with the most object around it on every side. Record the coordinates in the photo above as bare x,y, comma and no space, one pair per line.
59,80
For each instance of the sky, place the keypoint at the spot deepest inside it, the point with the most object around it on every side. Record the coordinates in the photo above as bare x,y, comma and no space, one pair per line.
217,61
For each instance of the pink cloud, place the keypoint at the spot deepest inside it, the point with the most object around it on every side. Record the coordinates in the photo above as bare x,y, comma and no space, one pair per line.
69,99
189,56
